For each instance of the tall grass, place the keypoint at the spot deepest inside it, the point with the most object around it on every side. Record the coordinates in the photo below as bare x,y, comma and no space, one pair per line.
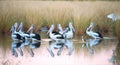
45,13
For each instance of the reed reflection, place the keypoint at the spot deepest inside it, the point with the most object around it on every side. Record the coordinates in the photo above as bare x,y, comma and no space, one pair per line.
89,43
17,47
115,58
59,46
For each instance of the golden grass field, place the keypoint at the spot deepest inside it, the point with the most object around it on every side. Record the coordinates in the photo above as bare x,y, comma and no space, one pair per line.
45,13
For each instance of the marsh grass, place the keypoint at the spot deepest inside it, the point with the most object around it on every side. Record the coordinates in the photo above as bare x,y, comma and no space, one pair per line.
45,13
117,30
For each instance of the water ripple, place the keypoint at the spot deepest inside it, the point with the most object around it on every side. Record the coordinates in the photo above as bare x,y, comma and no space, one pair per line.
10,62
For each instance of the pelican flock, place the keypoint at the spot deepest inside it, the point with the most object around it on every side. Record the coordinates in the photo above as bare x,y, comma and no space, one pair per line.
18,34
66,33
31,38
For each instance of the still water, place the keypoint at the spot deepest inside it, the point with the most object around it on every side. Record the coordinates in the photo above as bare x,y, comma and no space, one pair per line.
60,52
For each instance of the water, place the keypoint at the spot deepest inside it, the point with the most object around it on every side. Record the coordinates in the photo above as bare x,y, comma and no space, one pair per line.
61,52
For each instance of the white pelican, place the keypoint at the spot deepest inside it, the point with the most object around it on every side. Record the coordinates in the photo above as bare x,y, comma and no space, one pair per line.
90,33
32,35
54,35
15,35
69,31
23,34
113,16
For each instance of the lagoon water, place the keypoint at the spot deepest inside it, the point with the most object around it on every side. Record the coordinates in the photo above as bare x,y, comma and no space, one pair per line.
61,52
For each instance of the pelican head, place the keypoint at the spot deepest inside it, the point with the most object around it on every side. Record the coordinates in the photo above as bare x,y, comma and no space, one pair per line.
60,27
12,29
51,28
16,25
91,24
90,27
71,26
20,28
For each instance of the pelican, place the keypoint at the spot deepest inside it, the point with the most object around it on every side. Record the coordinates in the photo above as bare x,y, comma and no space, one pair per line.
113,16
54,35
32,35
23,34
69,31
15,35
90,33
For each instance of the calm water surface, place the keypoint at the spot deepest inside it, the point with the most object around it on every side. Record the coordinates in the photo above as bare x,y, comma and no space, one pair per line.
61,52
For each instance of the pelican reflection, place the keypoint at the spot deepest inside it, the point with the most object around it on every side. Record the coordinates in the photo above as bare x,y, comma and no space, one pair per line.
34,45
90,43
59,46
17,47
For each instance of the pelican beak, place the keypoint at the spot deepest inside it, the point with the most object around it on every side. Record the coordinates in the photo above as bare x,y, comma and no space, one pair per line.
48,31
20,26
51,29
28,30
73,28
31,28
16,25
12,29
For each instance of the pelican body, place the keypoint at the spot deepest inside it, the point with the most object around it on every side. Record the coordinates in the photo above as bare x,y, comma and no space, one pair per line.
16,35
113,17
32,35
69,31
90,33
54,35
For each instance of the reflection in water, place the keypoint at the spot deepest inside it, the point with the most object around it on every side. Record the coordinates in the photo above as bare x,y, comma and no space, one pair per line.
90,43
103,52
33,46
15,46
60,44
115,58
18,46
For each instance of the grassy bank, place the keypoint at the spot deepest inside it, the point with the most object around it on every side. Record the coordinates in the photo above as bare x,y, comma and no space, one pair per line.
45,13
